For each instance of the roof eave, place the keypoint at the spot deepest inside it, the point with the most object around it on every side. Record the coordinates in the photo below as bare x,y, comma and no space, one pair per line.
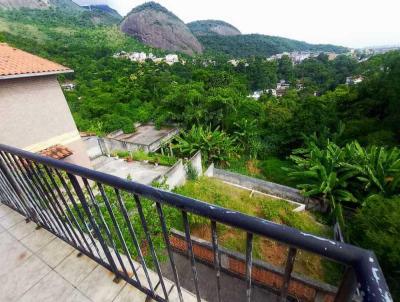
35,74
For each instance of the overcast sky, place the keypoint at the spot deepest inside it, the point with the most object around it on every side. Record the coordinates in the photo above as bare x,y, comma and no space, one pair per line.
352,23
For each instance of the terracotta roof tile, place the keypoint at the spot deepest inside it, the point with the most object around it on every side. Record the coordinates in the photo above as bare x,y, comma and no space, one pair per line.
17,63
56,152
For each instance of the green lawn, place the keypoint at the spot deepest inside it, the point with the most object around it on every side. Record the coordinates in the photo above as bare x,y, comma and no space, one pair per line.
270,169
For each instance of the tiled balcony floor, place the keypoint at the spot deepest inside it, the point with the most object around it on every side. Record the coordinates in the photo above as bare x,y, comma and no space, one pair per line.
37,266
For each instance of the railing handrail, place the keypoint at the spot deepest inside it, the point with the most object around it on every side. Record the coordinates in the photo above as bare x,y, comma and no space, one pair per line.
364,262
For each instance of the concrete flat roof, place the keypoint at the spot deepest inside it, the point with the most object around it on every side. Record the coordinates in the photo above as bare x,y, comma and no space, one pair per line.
145,135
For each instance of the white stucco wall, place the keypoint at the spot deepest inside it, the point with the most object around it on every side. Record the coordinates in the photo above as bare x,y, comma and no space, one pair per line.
34,115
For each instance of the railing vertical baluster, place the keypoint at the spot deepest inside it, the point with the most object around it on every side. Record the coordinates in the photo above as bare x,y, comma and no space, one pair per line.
347,287
103,225
56,205
12,193
191,254
150,242
80,215
18,181
249,264
27,181
43,196
170,253
10,178
119,233
99,236
134,238
288,272
115,223
51,199
8,190
217,260
64,203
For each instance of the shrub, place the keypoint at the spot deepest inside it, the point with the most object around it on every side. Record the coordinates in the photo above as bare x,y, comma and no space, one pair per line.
376,226
191,172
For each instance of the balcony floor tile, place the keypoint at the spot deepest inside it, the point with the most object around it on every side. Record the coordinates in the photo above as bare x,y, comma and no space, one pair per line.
99,285
17,281
37,240
51,288
22,229
55,252
75,269
12,253
11,219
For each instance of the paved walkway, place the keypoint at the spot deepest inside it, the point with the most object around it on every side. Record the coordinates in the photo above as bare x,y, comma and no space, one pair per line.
138,171
37,266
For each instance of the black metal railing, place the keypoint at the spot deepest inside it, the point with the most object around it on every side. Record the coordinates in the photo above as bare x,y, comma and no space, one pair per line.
115,221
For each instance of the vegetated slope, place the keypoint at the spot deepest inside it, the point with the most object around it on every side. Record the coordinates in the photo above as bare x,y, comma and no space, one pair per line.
155,26
259,45
213,27
40,4
16,4
105,9
67,5
58,11
102,14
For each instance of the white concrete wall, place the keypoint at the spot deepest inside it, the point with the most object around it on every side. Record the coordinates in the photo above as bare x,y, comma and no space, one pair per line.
93,148
195,161
176,176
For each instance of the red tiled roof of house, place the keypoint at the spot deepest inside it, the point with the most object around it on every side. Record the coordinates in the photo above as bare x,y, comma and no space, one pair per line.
56,152
16,63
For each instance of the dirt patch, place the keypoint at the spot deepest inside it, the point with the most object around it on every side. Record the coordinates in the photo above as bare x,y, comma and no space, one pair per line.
203,232
272,252
252,167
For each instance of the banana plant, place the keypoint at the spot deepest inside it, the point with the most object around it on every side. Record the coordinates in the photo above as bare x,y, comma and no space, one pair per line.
215,145
376,168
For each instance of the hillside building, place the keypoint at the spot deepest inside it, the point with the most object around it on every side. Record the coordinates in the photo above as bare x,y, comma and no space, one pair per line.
34,113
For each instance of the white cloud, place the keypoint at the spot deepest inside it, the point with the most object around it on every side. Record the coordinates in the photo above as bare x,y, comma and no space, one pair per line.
353,23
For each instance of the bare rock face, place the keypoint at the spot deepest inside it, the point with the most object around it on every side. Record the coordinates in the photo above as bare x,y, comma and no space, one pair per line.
213,27
16,4
154,25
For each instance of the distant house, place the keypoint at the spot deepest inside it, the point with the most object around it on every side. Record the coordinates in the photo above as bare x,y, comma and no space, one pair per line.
354,80
171,59
34,114
258,93
331,56
68,86
138,57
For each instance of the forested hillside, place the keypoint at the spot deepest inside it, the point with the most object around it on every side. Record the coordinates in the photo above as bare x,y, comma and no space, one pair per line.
341,138
240,46
213,27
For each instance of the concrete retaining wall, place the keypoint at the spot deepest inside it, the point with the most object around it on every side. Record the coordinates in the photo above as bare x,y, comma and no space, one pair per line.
176,176
93,148
112,145
263,274
196,163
